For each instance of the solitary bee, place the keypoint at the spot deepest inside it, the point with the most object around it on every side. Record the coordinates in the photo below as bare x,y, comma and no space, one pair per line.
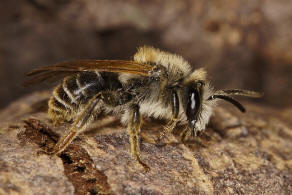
155,84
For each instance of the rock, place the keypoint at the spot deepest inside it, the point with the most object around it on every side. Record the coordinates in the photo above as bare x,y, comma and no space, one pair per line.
237,154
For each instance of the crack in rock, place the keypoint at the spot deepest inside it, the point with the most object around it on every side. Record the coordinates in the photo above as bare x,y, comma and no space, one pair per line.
78,166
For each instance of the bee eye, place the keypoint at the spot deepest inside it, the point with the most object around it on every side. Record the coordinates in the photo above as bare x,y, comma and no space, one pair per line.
193,106
193,102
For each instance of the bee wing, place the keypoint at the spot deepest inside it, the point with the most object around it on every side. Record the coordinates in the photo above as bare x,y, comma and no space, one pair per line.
53,72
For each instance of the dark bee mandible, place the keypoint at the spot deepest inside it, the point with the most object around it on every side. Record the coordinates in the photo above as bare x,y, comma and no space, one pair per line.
155,84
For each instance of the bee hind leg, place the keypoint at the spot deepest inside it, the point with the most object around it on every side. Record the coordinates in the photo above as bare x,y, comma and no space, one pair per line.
79,125
134,131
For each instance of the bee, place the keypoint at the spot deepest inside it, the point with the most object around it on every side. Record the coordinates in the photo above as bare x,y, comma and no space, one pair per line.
154,84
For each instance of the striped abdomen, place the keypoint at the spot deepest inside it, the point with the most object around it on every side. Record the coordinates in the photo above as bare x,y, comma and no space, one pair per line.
76,90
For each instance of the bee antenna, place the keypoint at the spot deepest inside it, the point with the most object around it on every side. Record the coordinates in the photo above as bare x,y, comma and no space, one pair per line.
228,99
240,92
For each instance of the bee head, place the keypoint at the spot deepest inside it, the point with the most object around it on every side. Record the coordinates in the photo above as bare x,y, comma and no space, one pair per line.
194,97
194,104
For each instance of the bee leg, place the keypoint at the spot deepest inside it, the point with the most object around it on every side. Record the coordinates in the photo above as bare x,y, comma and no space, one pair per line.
184,135
168,128
175,111
79,125
134,130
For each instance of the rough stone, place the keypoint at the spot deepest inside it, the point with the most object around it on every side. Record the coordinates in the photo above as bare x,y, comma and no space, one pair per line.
237,154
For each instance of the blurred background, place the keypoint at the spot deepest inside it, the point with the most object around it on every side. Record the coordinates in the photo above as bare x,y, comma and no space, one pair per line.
242,44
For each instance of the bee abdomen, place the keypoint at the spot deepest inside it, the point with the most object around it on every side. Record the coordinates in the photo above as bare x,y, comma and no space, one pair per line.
72,93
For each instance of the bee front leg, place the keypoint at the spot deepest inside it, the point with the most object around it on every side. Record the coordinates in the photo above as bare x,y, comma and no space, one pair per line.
79,125
134,131
168,128
175,111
